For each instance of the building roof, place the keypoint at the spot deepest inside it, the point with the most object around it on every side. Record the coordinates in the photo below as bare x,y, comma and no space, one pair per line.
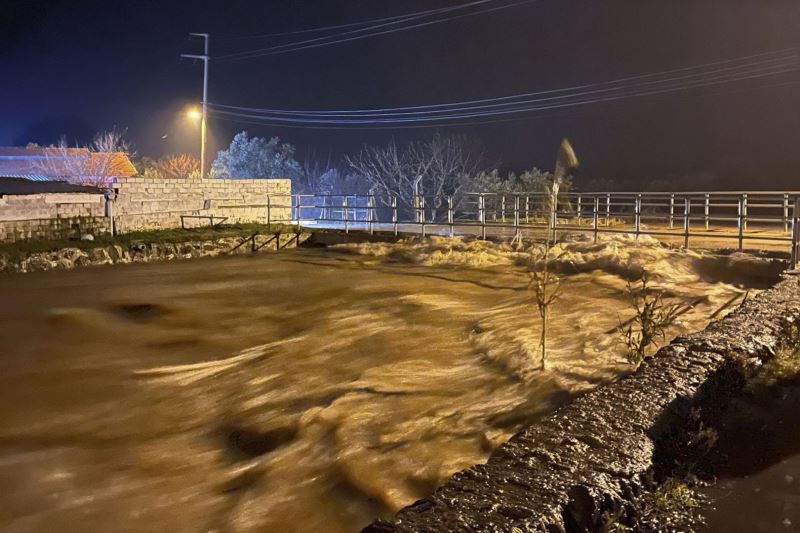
46,163
19,186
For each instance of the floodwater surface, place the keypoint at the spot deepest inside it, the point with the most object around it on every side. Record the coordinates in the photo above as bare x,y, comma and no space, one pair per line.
307,390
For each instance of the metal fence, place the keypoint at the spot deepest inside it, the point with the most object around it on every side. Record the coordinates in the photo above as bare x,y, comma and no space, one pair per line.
742,217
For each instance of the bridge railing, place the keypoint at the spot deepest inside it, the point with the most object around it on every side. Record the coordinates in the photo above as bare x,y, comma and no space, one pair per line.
742,217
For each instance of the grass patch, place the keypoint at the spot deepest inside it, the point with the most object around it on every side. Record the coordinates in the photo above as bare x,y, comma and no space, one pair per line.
174,235
674,495
785,366
673,505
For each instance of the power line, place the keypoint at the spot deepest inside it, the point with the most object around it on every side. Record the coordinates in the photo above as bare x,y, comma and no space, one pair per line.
666,88
353,24
776,55
297,46
515,101
443,125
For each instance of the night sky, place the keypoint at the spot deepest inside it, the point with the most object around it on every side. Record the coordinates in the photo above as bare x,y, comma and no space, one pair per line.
76,67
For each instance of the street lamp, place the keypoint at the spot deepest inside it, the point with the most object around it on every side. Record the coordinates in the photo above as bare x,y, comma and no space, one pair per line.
194,114
204,114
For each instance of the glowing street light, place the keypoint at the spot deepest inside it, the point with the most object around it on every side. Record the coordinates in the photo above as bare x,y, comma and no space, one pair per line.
194,114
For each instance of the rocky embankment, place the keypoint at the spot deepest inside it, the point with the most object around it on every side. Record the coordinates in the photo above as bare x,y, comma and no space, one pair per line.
583,468
142,252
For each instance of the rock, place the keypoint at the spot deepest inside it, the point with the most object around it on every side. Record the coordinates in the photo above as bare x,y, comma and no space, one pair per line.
36,263
63,263
139,252
116,253
99,256
87,237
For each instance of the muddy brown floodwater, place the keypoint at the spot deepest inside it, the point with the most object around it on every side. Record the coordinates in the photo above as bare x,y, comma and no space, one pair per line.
311,390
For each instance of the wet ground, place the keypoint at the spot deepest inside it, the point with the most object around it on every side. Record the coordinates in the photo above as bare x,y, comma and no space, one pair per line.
306,390
758,455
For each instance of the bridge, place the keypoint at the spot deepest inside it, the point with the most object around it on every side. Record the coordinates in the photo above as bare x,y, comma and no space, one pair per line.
738,220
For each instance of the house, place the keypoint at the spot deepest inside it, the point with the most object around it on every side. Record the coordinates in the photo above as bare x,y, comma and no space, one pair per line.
74,165
31,209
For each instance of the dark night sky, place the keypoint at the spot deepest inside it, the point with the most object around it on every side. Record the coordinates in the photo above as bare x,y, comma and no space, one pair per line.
76,67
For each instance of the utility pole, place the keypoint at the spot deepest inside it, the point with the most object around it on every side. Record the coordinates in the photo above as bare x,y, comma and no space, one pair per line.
204,58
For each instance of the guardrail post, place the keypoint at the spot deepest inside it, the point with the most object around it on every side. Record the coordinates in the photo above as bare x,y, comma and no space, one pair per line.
371,213
482,214
786,213
450,214
706,209
795,234
516,215
297,199
740,222
345,214
422,216
554,215
637,215
580,209
608,208
744,211
394,214
527,208
269,211
687,209
595,210
503,208
671,211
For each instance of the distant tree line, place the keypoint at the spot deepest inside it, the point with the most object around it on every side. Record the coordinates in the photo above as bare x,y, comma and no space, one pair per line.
437,167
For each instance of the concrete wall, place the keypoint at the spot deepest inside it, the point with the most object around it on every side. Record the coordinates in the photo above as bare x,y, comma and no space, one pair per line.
153,203
51,216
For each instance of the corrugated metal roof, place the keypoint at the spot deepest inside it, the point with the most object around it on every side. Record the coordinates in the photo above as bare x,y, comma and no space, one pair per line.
18,186
29,177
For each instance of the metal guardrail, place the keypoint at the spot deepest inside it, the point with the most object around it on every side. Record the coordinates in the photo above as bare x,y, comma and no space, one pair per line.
735,215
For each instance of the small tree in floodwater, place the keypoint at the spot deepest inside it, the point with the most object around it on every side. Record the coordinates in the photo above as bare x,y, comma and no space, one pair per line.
544,284
546,288
650,321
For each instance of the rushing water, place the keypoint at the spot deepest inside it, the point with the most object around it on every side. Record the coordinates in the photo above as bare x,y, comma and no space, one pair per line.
310,390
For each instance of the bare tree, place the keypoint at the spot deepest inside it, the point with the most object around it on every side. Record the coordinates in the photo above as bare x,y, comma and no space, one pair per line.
174,167
544,284
546,288
93,165
444,164
650,320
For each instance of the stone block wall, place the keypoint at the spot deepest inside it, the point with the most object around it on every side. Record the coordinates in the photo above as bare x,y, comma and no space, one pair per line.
144,204
51,216
154,203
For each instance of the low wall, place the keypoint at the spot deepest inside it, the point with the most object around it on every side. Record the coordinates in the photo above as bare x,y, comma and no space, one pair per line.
157,203
589,460
144,204
51,216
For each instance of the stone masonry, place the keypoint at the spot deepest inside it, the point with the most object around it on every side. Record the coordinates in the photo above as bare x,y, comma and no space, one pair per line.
144,204
51,215
154,203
